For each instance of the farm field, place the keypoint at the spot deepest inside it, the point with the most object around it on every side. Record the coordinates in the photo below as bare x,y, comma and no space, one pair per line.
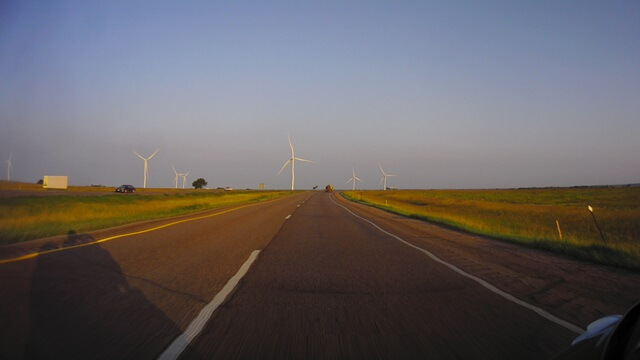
528,216
12,189
27,217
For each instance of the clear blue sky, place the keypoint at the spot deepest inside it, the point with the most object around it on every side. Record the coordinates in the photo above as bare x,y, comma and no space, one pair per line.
445,94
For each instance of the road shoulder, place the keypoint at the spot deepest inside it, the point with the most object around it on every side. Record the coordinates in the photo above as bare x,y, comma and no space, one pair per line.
573,290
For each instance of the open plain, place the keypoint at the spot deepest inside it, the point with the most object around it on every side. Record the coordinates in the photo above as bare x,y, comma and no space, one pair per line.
553,219
333,279
490,148
32,213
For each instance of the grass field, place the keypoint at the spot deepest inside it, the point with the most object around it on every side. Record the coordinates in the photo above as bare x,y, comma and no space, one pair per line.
36,189
24,218
529,216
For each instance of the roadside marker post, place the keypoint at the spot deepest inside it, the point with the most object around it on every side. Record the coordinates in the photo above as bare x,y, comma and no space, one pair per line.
597,226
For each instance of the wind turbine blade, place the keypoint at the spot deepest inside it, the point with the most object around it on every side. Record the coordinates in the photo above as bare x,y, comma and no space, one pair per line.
311,161
174,170
383,173
391,175
357,178
154,154
284,166
185,175
348,181
139,155
290,145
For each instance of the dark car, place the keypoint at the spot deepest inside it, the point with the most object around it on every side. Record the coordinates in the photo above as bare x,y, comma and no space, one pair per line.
611,337
125,189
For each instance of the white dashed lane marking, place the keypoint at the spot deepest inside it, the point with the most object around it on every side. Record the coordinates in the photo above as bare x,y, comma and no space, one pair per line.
181,342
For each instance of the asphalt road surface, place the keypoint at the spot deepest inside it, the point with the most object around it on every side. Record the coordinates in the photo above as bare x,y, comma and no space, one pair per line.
326,284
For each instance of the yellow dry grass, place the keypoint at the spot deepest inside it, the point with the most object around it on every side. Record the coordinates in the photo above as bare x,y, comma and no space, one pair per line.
24,218
529,216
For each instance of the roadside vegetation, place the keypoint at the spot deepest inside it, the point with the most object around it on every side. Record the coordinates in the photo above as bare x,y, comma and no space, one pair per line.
24,218
528,216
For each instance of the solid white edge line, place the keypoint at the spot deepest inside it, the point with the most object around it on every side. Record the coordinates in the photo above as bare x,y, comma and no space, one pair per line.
181,342
487,285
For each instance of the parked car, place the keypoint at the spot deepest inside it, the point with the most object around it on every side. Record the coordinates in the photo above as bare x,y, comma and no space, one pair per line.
126,189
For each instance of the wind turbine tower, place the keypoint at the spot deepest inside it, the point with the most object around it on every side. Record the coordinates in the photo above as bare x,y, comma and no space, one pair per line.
175,180
146,166
184,178
354,178
292,160
384,177
9,166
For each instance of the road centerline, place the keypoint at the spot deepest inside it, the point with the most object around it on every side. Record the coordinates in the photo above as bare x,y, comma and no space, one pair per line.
110,238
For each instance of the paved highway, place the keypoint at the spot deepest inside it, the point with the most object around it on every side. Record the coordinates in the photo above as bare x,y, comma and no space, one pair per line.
327,283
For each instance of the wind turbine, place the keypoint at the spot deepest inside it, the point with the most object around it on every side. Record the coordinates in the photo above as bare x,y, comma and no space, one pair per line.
354,178
9,166
184,178
293,164
175,180
146,166
384,177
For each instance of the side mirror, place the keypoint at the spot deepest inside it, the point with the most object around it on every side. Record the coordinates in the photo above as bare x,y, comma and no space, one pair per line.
602,326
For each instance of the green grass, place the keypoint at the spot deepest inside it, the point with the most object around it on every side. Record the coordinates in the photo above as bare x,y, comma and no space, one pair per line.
26,218
528,216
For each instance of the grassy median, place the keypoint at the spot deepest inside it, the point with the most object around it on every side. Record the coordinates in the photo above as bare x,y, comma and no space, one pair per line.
24,218
528,216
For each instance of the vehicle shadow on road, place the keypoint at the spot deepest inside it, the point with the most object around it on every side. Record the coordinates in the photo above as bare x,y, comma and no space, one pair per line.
82,306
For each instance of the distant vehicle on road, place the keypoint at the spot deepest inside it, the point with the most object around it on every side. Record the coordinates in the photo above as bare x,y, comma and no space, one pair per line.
228,189
125,189
55,182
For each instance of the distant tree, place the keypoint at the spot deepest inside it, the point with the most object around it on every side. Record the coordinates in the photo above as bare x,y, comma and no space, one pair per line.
200,183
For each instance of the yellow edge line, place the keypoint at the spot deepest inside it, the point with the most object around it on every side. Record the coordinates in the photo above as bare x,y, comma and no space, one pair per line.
35,254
